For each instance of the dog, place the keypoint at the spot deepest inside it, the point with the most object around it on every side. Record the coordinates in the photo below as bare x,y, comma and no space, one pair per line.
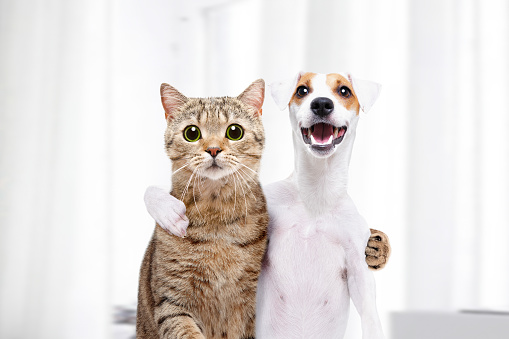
315,260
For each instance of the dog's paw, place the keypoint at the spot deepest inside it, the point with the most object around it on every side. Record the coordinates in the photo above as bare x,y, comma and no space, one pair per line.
378,250
167,211
173,221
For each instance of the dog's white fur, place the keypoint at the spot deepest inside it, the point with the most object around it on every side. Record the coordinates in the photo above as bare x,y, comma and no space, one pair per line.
315,260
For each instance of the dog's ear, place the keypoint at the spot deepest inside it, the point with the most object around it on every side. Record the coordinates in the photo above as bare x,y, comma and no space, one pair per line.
366,91
282,91
171,99
254,95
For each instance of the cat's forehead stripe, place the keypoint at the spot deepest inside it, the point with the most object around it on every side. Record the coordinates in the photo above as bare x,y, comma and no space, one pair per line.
213,115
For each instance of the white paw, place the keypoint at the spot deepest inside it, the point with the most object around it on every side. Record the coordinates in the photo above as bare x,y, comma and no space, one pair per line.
173,220
167,211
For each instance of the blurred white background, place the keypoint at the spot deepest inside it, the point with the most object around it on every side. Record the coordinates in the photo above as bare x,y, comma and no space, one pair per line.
81,137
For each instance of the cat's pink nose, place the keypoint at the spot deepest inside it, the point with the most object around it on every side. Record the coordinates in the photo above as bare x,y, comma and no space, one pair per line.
213,151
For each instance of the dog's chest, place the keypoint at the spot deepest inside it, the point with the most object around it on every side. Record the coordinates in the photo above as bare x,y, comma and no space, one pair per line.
310,249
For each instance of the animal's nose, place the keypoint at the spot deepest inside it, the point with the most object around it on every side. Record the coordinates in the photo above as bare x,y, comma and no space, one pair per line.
214,151
322,106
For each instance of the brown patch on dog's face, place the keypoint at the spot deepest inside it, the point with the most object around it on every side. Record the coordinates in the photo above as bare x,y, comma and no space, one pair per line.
336,82
305,80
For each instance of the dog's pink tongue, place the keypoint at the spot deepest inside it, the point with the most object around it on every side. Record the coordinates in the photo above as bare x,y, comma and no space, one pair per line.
322,132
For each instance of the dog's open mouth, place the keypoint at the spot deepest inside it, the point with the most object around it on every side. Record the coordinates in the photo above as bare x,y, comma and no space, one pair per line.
323,135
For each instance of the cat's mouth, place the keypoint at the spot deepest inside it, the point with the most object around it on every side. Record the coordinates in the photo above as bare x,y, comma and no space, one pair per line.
323,135
214,171
215,166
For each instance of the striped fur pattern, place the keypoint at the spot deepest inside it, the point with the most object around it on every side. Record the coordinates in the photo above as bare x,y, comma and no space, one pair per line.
204,285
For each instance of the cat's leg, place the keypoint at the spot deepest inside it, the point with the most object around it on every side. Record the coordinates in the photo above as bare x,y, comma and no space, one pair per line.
249,333
167,211
249,321
378,250
176,322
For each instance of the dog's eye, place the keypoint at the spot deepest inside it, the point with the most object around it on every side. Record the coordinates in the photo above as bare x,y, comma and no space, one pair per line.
345,92
302,91
192,133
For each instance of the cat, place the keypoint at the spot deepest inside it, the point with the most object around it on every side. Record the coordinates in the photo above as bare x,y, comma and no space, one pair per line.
203,285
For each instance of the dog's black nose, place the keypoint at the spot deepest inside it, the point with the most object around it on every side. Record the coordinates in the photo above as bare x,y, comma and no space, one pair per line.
322,106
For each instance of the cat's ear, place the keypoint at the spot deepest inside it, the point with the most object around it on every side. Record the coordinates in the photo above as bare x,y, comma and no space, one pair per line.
254,95
366,92
171,99
282,91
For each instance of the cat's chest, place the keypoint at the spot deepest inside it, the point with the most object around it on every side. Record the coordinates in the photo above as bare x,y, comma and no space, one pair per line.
219,258
222,258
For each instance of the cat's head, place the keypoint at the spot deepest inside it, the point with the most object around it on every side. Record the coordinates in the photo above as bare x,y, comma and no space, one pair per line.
214,137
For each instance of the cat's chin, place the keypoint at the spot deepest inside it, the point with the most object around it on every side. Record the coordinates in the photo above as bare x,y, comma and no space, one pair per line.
214,172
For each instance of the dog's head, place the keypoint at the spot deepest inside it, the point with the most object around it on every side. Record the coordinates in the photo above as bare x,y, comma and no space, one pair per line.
324,108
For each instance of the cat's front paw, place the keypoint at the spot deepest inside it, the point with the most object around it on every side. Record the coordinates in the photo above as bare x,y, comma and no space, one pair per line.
378,250
167,211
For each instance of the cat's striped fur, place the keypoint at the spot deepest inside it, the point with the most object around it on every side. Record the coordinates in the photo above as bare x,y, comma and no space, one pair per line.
204,285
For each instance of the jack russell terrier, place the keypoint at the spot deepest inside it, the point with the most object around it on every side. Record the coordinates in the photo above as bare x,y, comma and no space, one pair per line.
316,256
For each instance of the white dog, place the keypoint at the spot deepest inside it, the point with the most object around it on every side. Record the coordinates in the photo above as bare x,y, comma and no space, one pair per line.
315,259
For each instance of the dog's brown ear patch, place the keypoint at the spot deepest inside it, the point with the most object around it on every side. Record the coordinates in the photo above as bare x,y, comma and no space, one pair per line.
305,80
335,82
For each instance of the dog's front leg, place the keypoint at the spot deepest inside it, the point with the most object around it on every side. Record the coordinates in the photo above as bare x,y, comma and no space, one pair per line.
361,285
167,211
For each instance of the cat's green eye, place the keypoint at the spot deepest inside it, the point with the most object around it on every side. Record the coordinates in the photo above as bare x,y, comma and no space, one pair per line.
192,133
234,132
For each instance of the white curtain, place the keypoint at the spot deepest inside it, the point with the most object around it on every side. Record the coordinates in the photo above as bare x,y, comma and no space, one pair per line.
81,137
55,169
458,165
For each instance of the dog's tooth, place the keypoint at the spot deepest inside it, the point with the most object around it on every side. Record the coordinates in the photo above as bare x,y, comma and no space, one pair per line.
329,141
309,131
313,141
336,131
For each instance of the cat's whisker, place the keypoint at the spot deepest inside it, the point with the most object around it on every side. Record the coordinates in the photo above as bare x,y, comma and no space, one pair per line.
234,162
181,158
187,164
255,156
249,168
184,193
241,174
248,175
200,183
235,201
244,194
194,198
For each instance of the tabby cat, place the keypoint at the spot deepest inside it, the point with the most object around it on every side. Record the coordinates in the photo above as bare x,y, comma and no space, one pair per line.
203,285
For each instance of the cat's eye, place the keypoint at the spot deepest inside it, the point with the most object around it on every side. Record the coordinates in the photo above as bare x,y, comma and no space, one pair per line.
192,133
234,132
345,92
302,91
